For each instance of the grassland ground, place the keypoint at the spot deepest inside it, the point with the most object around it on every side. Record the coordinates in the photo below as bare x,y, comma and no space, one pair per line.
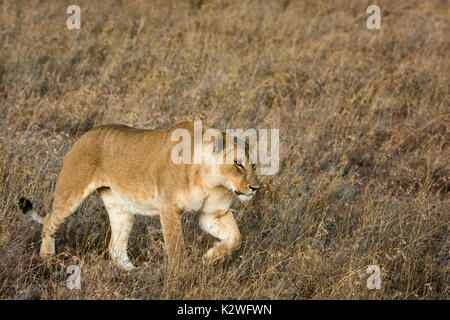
364,142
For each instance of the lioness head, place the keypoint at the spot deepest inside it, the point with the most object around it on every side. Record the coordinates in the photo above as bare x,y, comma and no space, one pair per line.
237,172
231,161
240,178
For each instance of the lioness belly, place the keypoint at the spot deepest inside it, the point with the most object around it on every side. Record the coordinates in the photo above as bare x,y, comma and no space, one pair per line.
148,206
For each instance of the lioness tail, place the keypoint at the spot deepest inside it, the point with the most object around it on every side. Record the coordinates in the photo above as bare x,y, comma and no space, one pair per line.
27,207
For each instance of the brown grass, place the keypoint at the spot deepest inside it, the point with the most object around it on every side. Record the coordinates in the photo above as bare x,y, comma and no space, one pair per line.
364,141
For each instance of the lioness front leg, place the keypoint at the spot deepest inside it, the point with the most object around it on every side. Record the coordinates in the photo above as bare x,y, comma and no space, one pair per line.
121,223
172,233
221,224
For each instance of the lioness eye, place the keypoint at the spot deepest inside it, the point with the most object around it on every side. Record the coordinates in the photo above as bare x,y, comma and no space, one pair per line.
253,166
238,164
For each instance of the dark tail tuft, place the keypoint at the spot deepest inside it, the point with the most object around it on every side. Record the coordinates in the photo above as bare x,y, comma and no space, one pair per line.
25,205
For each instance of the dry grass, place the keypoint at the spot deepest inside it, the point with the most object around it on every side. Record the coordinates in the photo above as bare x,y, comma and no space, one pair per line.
364,141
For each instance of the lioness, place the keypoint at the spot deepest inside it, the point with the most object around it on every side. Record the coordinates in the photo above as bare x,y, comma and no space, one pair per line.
134,173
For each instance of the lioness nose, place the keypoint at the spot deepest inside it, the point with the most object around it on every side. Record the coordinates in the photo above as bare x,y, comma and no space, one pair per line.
254,188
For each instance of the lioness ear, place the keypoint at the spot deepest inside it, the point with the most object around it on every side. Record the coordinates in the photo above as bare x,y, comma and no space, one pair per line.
253,143
215,139
253,149
218,144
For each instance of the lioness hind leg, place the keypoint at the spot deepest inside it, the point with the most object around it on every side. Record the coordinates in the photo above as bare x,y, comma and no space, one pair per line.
121,224
222,226
65,202
76,181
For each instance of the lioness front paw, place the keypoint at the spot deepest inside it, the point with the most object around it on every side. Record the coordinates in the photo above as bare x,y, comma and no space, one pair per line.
213,255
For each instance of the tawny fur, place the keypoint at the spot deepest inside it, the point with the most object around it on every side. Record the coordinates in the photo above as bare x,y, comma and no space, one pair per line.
134,173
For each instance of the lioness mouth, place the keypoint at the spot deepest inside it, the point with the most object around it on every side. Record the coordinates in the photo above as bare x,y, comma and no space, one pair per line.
243,194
